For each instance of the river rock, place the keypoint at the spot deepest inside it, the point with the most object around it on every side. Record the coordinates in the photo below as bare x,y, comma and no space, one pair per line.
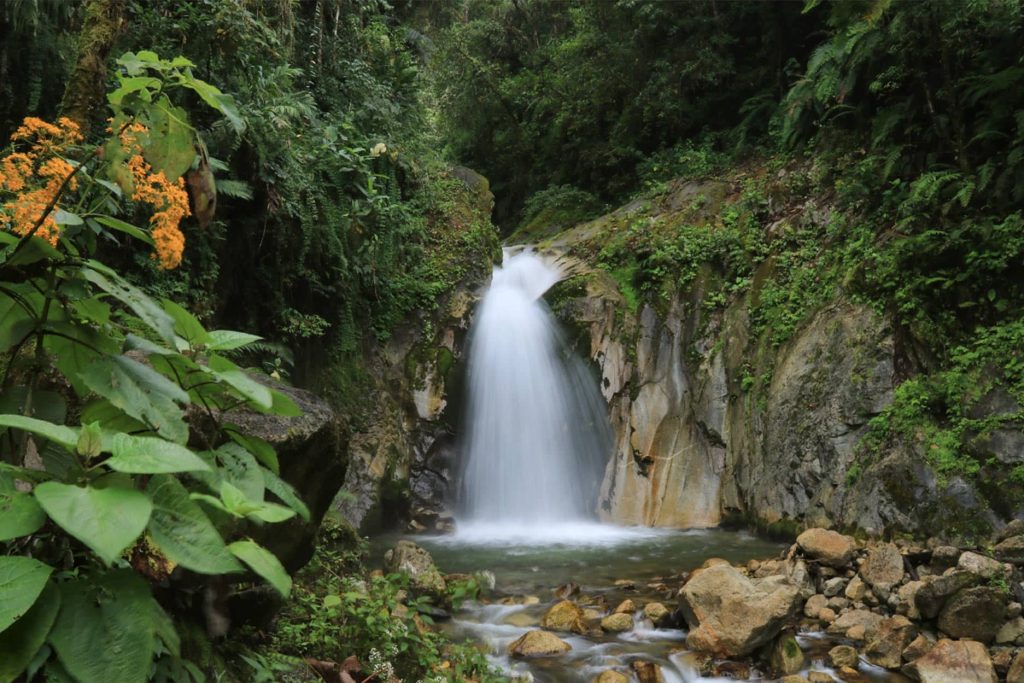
883,567
814,605
1011,550
975,613
859,624
1016,672
856,589
648,672
564,616
828,547
1010,631
627,606
617,623
416,563
834,586
944,557
611,676
538,644
786,656
918,648
954,661
521,620
657,613
985,567
843,655
933,595
731,615
891,638
1014,528
906,599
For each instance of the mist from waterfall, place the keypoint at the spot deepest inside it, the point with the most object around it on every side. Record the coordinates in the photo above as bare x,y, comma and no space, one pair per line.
536,435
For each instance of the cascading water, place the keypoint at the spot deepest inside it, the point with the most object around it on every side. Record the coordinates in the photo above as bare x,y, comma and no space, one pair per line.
536,434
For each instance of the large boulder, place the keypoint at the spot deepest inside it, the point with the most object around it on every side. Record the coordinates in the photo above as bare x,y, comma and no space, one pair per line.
959,661
827,546
883,567
1011,550
538,644
930,598
892,637
731,615
310,450
983,566
416,563
975,613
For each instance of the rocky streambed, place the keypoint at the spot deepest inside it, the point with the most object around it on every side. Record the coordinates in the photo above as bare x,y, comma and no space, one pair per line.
649,606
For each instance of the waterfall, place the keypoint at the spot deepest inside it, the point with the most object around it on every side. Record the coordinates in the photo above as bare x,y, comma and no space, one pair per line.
536,435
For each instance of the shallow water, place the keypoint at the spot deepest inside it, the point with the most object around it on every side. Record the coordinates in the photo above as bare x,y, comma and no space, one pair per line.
528,562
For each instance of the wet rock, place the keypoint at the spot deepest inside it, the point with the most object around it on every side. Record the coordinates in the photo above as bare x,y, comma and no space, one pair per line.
857,625
959,661
933,595
564,616
814,605
918,648
731,615
1010,631
648,672
1011,550
826,546
828,615
883,567
538,644
611,677
617,623
975,613
627,606
891,638
591,614
819,677
793,679
657,613
843,655
521,620
786,656
413,561
985,567
1016,672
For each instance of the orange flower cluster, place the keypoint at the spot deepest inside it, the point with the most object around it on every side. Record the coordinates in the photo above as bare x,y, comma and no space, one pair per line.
168,199
20,173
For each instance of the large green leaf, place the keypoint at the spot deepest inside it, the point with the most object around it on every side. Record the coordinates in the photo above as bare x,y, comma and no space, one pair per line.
134,298
22,579
106,632
170,148
185,324
183,531
141,392
75,348
20,643
126,228
237,379
20,515
107,520
283,490
152,455
262,450
220,101
226,340
18,311
263,562
65,436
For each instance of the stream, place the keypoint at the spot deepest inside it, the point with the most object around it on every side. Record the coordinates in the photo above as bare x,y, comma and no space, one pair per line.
609,564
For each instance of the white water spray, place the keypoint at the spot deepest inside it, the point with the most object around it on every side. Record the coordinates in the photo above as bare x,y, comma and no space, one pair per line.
536,436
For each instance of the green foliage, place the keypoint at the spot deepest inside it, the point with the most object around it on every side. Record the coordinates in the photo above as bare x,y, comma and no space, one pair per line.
132,477
333,615
553,209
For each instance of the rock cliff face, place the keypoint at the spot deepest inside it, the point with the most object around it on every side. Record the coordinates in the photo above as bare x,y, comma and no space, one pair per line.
713,423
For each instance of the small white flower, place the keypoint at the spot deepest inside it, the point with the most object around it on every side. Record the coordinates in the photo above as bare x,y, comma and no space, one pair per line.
378,149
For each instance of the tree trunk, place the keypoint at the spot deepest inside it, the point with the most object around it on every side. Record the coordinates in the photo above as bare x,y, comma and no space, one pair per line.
102,24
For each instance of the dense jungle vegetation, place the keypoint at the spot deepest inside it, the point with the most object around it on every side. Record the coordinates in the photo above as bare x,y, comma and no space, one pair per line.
178,170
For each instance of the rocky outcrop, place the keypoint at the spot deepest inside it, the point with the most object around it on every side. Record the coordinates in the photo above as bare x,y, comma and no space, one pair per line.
713,420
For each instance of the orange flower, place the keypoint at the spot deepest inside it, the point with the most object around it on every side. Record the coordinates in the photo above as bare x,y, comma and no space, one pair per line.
171,203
